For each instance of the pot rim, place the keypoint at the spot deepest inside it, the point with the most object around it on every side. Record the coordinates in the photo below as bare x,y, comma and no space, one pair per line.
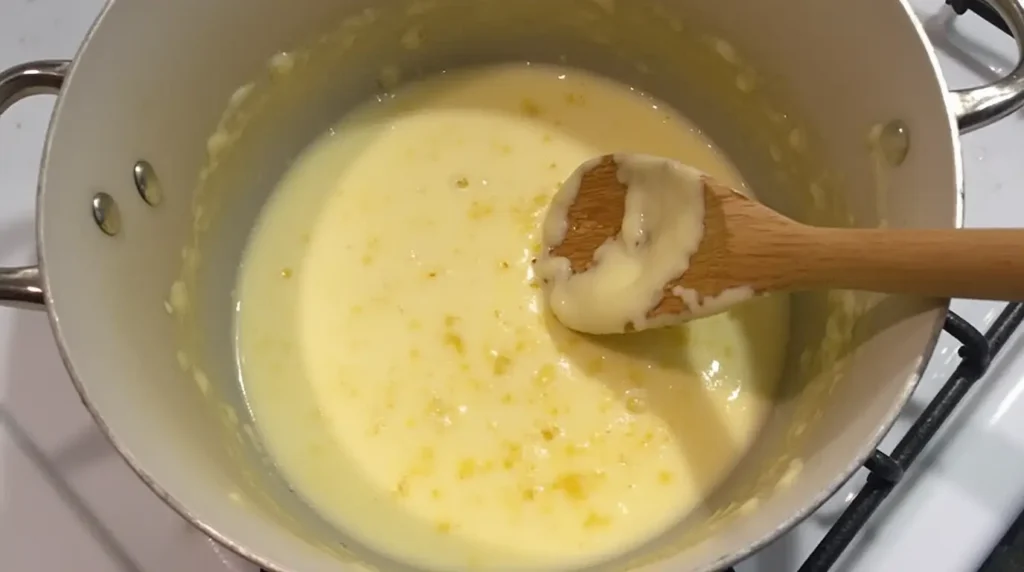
808,507
910,384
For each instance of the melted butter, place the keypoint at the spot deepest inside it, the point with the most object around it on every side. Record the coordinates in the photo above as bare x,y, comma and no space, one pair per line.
401,366
662,227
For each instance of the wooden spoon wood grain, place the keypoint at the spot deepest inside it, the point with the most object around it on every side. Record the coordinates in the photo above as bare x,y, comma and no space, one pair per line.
748,244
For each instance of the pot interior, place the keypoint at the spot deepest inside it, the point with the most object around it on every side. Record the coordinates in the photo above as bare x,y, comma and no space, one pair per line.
786,88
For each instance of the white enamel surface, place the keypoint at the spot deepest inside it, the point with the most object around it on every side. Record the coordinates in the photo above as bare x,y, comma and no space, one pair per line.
44,531
67,499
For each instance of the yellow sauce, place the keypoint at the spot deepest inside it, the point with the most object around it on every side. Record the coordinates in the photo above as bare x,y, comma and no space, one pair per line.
661,228
402,368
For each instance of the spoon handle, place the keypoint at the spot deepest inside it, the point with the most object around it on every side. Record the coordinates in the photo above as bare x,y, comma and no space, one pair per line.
964,263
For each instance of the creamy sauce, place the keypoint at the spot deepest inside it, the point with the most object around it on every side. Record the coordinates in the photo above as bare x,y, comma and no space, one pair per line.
662,226
401,365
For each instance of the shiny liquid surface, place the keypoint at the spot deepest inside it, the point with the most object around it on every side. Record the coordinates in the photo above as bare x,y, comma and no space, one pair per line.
401,365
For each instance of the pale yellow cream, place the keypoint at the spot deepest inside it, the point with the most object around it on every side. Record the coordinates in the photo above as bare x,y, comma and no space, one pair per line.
402,368
662,227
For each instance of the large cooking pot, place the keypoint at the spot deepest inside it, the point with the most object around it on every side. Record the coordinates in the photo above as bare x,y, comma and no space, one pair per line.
835,111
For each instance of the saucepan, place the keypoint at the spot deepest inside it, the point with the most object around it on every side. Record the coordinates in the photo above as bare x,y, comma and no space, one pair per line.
171,127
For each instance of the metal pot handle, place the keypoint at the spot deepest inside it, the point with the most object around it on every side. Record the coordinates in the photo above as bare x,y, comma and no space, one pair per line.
980,106
22,287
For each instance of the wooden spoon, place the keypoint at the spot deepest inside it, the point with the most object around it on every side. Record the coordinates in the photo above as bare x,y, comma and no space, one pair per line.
746,244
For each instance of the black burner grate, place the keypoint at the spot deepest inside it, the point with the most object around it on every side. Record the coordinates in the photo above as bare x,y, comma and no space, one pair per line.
976,352
988,13
886,470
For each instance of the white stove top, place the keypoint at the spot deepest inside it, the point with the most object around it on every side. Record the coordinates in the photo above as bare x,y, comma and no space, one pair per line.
68,502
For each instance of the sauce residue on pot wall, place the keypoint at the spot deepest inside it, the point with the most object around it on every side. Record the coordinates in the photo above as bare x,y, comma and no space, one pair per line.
393,337
667,43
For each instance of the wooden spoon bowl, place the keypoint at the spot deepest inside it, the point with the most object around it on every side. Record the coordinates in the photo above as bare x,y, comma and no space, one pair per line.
746,245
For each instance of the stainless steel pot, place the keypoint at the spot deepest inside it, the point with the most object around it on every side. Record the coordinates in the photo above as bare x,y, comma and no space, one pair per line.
790,88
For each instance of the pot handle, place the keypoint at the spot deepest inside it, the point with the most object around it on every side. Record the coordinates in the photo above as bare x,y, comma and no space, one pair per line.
22,287
980,106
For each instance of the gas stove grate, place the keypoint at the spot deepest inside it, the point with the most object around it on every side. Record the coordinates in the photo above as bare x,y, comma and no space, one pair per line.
986,12
885,470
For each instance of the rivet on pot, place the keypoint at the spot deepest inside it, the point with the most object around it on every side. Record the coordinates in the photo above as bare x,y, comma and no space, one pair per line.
147,183
893,142
106,213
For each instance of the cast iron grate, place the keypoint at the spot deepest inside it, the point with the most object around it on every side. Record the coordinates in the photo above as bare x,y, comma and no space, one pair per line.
976,352
979,7
886,470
